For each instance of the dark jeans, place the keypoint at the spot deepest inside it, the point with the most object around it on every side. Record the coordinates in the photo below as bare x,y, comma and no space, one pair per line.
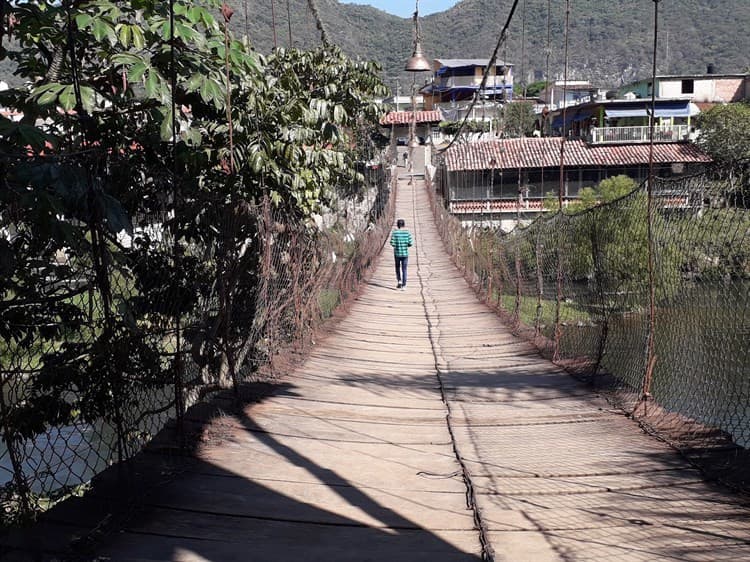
401,263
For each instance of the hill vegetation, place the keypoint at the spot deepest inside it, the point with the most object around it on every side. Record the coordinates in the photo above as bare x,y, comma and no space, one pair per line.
610,43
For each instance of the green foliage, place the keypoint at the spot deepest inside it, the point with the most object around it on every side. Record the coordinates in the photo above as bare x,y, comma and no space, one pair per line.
96,316
725,133
533,89
328,300
466,31
608,190
715,244
518,119
569,312
452,127
370,34
609,244
725,136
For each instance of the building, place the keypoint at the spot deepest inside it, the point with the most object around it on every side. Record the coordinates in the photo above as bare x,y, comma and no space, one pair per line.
404,103
626,121
494,182
698,88
399,124
560,93
459,80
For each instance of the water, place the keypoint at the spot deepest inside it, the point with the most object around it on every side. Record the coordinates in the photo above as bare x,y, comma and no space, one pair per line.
64,456
703,354
73,454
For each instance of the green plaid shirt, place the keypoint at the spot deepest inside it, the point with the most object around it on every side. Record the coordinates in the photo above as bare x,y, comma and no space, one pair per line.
401,240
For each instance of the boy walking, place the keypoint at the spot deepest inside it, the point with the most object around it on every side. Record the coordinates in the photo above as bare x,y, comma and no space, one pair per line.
401,241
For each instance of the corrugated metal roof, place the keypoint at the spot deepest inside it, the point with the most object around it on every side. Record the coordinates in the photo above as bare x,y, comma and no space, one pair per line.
406,117
459,63
698,76
545,153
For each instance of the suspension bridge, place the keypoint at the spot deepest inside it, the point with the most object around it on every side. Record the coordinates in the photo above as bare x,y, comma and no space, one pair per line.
418,428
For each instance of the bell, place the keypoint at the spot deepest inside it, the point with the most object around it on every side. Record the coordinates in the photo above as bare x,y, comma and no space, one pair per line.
418,62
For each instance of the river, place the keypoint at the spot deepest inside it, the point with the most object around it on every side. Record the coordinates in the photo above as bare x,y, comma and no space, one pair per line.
703,354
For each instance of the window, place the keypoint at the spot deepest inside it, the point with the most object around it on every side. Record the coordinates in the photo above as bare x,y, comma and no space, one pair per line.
688,87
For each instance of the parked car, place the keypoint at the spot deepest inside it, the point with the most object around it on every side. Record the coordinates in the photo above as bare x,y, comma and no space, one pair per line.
402,141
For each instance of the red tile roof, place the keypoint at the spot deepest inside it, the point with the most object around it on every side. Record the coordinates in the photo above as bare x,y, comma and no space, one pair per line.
406,117
545,153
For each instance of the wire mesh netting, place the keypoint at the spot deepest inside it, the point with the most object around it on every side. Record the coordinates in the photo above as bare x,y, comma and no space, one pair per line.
579,284
108,338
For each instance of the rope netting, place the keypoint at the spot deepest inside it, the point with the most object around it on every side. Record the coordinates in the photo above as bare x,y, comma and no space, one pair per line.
578,284
131,331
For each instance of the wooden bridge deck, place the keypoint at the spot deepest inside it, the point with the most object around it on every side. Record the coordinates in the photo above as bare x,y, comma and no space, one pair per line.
420,430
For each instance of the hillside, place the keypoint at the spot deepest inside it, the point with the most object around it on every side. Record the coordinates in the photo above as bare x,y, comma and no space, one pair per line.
609,42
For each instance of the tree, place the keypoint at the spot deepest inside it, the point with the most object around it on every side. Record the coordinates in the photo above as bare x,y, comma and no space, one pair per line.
725,133
725,136
518,119
102,83
610,244
532,90
608,190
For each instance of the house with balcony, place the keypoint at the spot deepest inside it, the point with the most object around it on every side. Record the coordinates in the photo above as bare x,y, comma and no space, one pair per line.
500,183
455,82
561,93
626,121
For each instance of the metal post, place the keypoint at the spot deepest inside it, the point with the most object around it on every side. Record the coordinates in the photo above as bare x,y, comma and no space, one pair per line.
650,353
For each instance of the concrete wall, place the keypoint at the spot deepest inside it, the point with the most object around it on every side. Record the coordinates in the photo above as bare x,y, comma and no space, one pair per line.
705,89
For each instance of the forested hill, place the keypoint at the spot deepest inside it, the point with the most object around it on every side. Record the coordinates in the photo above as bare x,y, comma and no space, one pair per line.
609,41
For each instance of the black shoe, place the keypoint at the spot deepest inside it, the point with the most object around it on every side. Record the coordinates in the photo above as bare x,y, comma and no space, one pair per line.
398,286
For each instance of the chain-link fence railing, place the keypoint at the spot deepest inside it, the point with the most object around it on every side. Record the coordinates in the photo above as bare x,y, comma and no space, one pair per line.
646,295
107,338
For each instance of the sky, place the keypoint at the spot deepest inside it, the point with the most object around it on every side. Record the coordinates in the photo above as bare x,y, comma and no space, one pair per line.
405,8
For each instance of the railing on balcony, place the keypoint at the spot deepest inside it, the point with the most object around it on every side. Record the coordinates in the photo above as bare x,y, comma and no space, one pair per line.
499,205
624,135
667,200
474,80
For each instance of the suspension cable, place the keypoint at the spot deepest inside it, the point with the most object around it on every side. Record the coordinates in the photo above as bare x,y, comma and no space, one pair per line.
75,79
247,23
548,52
559,280
178,365
491,64
227,12
289,22
565,107
273,23
650,355
3,3
319,23
523,49
433,335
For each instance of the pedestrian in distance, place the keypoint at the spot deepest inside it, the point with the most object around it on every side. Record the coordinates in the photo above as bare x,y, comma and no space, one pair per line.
406,159
401,242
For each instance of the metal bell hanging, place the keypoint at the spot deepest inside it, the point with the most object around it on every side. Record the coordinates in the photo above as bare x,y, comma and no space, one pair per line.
417,62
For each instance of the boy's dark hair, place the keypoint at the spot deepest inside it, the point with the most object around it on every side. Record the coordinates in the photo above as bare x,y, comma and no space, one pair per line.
400,223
